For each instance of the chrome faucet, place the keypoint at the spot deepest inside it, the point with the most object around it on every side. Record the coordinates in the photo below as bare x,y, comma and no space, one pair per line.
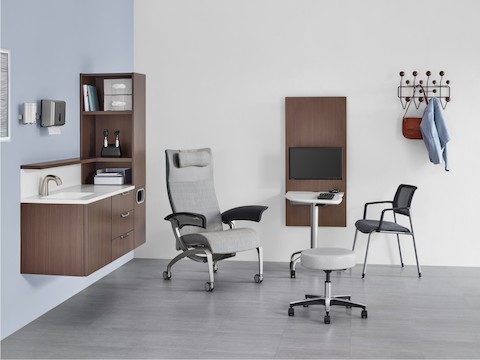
45,181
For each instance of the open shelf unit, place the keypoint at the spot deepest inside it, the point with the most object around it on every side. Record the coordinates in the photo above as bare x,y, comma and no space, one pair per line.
131,124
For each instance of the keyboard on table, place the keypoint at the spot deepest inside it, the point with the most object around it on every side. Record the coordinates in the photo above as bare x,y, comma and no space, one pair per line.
325,196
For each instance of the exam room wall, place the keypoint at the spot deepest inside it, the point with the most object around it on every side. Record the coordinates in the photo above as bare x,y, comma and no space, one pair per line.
218,75
51,43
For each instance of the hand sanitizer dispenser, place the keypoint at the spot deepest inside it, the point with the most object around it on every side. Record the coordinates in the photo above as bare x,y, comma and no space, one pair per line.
53,113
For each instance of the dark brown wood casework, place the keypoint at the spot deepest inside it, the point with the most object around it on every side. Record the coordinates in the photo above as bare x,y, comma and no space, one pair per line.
132,126
77,240
60,239
316,122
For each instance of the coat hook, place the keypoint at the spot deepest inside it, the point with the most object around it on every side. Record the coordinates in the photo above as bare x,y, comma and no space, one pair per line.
408,92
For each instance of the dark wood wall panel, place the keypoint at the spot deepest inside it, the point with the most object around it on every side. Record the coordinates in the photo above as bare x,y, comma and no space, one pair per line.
312,122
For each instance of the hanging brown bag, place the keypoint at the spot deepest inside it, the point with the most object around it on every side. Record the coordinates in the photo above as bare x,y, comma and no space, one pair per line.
411,125
411,128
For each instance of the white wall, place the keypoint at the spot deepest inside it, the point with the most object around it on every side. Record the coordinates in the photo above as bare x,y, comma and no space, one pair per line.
218,73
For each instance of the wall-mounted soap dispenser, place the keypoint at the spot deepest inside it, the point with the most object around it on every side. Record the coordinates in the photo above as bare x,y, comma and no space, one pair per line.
53,113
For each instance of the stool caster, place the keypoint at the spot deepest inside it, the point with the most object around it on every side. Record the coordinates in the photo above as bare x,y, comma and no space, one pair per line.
291,312
326,319
292,274
364,314
258,278
167,275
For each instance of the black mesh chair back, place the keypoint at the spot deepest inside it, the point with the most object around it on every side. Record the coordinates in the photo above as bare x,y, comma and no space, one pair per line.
403,198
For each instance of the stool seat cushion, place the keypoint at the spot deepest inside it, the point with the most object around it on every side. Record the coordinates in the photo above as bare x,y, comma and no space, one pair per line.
328,258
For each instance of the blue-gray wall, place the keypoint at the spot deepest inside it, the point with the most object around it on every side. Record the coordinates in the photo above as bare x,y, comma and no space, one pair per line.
51,43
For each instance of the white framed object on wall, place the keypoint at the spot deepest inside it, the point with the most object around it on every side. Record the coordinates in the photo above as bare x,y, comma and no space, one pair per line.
5,128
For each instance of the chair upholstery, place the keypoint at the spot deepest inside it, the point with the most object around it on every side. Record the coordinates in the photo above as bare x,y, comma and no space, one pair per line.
400,205
224,242
196,219
368,226
328,258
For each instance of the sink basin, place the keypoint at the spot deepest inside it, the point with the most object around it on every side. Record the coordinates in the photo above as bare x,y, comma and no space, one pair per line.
68,195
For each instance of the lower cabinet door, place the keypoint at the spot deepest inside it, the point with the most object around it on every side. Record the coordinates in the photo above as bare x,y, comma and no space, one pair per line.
98,225
123,244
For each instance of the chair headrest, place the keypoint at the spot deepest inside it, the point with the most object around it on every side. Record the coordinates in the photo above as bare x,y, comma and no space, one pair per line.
188,158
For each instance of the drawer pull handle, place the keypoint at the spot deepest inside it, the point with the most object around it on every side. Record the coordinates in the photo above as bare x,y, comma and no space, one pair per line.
124,236
125,193
125,214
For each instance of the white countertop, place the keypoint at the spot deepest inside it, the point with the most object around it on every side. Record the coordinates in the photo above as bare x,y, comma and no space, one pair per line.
78,194
310,197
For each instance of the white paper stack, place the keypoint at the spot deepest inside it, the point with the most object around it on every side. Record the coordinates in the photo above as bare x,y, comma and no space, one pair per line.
109,178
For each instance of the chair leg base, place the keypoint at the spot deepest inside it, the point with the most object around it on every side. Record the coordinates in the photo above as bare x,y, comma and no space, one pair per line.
294,259
212,265
327,300
342,300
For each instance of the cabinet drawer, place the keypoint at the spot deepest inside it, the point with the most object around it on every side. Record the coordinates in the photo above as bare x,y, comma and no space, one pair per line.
123,202
122,244
122,223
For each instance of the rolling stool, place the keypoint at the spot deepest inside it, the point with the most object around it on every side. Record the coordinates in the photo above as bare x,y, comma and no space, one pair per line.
328,260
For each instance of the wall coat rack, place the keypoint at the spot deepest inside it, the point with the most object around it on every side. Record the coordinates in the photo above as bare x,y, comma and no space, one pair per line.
419,90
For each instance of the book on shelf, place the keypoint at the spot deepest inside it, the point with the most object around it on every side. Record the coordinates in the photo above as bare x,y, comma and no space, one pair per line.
90,98
86,101
93,98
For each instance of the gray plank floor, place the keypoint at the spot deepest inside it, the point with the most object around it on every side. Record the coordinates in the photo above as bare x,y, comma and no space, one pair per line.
133,313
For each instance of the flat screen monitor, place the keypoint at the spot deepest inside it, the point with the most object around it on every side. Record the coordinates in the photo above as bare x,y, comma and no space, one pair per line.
315,163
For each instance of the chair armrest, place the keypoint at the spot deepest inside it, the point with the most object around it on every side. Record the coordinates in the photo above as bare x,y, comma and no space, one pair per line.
390,209
182,219
251,213
374,203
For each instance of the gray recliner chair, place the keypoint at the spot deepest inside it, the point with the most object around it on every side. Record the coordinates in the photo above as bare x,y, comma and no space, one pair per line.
196,219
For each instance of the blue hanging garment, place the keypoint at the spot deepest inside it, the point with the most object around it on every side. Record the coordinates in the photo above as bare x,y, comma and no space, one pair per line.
434,132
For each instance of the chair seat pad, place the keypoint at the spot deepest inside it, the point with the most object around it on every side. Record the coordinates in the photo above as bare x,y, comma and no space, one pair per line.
328,258
224,242
368,226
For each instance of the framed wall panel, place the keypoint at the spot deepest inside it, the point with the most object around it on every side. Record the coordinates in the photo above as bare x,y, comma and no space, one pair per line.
5,95
316,122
